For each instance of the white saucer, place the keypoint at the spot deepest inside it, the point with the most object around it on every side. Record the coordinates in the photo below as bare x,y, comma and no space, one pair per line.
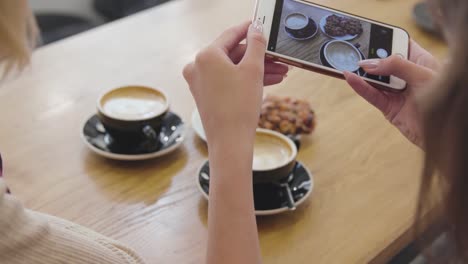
197,125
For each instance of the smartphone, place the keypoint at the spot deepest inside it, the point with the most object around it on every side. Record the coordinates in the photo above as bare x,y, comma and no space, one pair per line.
329,41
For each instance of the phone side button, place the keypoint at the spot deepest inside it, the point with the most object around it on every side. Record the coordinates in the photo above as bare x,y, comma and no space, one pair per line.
284,61
290,63
296,65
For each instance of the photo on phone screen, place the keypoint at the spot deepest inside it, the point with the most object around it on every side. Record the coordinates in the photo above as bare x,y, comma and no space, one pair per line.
320,36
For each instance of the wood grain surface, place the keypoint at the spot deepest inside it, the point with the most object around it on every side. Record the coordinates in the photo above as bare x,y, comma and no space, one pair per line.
366,173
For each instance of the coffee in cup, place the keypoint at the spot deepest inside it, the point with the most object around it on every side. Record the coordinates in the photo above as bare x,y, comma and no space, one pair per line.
274,156
296,21
136,103
132,114
342,55
300,26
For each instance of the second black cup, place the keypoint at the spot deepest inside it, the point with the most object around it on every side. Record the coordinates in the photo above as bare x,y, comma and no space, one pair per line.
274,156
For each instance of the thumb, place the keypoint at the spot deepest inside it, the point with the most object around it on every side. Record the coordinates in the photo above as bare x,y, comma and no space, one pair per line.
374,96
398,67
256,45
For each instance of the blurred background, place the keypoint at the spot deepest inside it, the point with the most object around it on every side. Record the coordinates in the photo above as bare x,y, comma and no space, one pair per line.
59,19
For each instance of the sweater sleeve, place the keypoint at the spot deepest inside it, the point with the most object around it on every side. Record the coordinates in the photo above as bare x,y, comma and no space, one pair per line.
31,237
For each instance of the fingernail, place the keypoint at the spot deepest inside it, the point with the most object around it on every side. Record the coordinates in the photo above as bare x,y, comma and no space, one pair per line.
257,25
348,74
369,64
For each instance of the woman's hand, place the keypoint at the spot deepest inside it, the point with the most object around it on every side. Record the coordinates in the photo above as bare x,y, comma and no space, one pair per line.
227,81
401,109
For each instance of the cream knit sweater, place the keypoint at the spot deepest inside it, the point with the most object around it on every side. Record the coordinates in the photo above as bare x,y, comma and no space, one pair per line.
28,237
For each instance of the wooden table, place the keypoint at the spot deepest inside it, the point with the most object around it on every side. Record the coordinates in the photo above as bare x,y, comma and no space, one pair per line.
366,173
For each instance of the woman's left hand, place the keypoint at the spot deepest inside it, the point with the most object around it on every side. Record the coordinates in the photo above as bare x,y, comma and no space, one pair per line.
227,79
401,109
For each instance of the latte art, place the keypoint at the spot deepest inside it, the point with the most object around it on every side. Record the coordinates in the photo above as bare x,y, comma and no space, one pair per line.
296,21
133,104
343,57
270,152
133,108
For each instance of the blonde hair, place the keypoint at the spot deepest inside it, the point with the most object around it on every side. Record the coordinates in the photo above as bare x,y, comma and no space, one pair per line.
18,34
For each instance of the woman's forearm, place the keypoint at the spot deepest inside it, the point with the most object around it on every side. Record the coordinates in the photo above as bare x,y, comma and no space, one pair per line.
232,225
228,93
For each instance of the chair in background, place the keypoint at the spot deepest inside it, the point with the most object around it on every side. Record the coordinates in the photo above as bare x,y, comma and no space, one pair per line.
115,9
59,26
423,18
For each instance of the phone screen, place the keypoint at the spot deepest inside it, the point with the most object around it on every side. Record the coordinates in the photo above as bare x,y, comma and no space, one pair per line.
320,36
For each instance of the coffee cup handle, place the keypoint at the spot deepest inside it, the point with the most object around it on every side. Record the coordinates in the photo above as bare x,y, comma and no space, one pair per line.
296,139
150,133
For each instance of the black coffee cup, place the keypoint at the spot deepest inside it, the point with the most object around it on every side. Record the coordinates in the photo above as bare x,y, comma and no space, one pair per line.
274,156
300,26
133,114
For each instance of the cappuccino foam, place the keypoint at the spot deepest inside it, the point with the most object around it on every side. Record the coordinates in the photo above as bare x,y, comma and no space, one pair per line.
133,103
270,152
296,21
343,57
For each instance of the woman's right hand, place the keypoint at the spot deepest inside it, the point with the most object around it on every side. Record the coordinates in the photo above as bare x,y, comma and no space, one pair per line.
401,109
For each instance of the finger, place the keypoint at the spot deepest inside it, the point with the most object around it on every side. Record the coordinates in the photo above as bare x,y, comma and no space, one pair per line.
256,45
272,79
276,68
188,72
271,66
399,67
414,46
420,56
372,95
231,37
237,53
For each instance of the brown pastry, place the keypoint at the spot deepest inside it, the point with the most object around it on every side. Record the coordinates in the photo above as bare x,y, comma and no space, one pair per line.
287,115
338,26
